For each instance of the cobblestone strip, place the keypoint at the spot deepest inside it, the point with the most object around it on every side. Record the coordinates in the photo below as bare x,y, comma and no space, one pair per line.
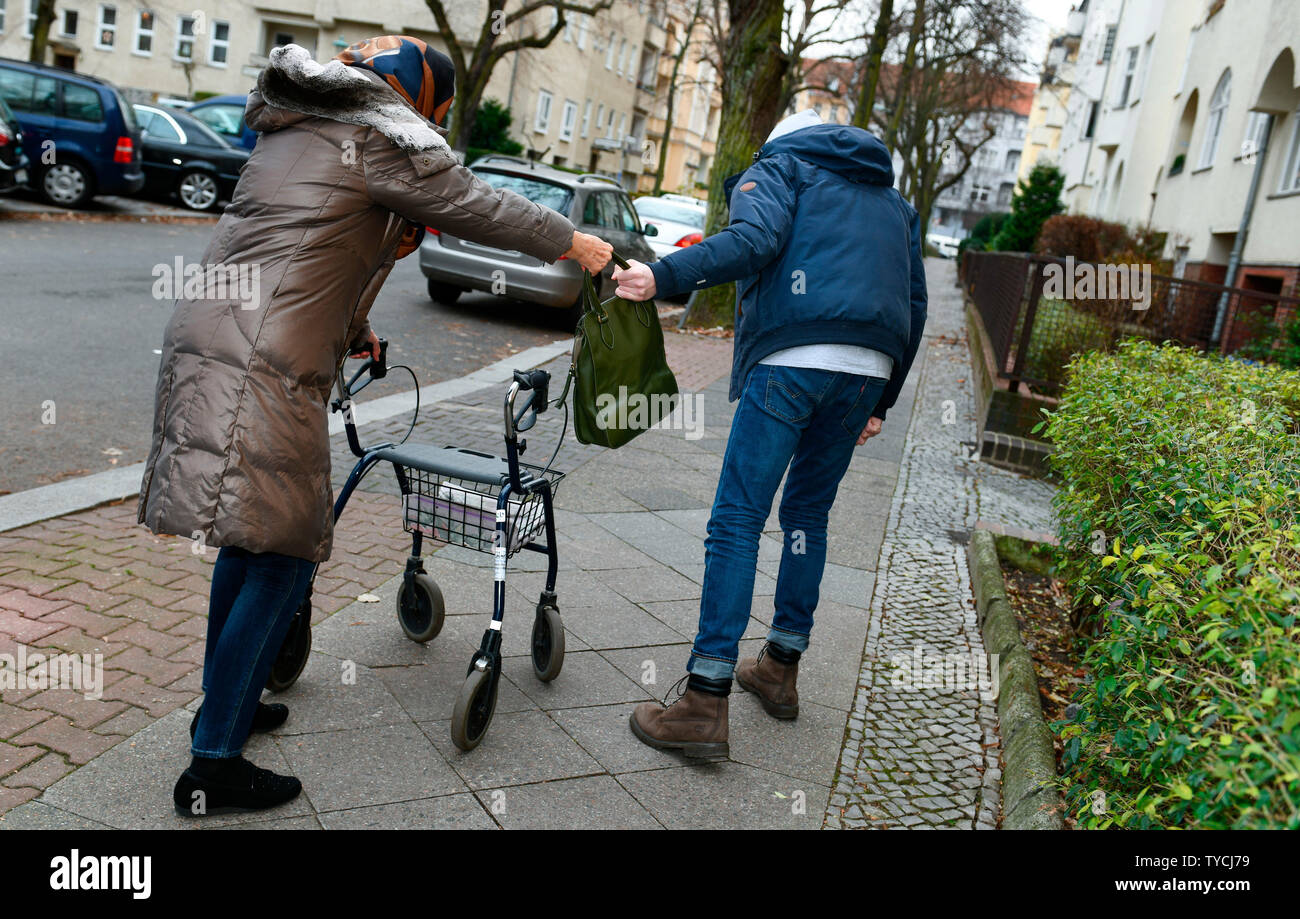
921,744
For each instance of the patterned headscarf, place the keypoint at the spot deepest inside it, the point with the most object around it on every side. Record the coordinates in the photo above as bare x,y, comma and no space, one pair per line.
422,76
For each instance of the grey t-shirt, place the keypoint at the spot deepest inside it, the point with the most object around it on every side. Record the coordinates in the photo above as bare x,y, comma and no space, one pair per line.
842,358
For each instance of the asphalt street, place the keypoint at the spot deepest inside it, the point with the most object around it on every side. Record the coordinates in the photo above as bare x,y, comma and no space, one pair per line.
83,330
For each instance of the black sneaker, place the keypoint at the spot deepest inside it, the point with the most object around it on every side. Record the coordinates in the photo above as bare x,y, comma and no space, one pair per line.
227,786
267,717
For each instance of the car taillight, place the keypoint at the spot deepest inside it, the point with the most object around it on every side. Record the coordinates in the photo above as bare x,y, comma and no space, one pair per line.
433,231
5,136
124,151
689,239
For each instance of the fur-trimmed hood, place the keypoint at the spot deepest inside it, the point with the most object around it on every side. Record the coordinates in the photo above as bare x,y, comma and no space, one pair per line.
293,85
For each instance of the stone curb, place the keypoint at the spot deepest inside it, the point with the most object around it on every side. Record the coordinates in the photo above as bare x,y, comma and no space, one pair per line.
1030,799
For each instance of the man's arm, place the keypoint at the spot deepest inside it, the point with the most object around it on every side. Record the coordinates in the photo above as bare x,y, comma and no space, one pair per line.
919,301
762,210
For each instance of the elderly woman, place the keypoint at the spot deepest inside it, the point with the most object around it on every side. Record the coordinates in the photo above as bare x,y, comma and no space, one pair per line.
349,166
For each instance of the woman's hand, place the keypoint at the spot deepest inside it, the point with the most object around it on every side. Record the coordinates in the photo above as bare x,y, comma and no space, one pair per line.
870,431
591,252
635,282
368,347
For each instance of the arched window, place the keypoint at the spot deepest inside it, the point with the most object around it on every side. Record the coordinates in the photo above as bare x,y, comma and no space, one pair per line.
1214,124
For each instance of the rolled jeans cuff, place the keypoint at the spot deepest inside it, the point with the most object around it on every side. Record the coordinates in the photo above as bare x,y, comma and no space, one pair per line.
710,667
791,641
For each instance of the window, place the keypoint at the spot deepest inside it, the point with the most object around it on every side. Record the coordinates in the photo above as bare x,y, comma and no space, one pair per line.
601,209
586,118
568,119
539,191
1214,125
1253,142
542,123
1091,124
622,56
600,119
29,26
622,126
1144,69
69,28
219,43
1109,47
582,32
144,33
106,30
630,223
82,103
16,88
1291,168
1130,73
1012,162
609,52
184,47
568,29
2,17
1187,61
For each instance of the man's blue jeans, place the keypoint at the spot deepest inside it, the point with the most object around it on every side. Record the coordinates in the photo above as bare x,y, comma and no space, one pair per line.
807,420
253,599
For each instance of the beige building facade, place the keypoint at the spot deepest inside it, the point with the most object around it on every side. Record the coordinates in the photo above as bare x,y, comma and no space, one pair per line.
1185,115
594,100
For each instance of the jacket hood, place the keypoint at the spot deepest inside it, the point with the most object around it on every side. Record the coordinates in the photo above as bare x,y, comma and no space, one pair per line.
294,86
851,152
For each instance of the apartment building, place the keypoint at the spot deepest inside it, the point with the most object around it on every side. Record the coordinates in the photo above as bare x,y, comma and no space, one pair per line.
177,48
989,182
1185,114
828,89
692,142
1047,114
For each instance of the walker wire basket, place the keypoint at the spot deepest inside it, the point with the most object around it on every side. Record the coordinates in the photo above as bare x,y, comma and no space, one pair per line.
462,512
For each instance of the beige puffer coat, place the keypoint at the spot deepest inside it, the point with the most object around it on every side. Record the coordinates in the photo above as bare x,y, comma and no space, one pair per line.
241,452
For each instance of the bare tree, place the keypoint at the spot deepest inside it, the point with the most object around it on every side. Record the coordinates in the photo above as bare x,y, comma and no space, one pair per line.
680,56
955,81
41,31
870,79
475,60
746,36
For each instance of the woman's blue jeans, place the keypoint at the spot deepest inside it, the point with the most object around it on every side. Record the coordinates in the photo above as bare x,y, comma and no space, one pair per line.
254,596
806,420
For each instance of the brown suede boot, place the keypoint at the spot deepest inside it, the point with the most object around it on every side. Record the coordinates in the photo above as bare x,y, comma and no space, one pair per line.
696,724
772,681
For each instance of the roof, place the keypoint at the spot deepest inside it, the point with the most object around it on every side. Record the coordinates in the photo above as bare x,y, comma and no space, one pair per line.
516,165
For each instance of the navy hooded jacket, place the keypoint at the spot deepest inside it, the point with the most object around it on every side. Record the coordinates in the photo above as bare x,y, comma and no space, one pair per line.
823,249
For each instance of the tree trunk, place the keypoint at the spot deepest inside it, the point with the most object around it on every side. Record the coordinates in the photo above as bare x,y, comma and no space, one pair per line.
875,56
905,72
753,69
40,30
672,98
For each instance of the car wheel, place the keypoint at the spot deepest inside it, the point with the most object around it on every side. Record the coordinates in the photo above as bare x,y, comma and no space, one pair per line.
443,293
67,184
198,190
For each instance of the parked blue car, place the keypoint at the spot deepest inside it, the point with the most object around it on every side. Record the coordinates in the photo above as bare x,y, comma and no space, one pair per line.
225,115
13,161
79,133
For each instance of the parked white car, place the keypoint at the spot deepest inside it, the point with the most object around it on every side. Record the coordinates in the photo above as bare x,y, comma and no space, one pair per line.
946,246
678,219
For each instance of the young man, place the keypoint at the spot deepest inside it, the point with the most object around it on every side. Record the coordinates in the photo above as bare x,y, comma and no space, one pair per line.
830,308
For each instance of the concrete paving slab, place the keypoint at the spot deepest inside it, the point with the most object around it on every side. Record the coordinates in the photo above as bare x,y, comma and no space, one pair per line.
520,747
587,679
727,795
377,765
447,812
593,803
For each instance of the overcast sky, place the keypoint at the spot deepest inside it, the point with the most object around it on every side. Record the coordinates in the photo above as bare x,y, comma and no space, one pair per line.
1051,15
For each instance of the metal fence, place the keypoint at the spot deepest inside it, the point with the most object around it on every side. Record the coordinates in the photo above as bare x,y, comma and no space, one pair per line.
1039,311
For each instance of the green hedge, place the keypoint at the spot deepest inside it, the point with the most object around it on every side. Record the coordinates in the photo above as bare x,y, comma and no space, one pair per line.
1179,511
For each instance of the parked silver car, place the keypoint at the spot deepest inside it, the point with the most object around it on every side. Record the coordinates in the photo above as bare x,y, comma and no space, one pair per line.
595,204
678,219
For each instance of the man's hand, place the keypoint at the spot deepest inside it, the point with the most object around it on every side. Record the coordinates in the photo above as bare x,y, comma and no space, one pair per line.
635,282
369,347
871,430
591,252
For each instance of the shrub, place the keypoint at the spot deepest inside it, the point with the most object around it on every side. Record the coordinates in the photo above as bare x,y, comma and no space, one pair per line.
1180,532
1090,240
1038,197
982,233
1274,341
492,129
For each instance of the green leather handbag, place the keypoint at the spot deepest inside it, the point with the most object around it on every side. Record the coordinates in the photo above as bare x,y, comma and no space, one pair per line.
622,385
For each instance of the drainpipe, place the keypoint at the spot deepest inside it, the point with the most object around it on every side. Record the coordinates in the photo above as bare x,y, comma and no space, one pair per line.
1239,244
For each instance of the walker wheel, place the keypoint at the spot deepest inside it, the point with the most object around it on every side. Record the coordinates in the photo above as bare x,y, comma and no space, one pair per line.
294,650
548,644
420,608
475,705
